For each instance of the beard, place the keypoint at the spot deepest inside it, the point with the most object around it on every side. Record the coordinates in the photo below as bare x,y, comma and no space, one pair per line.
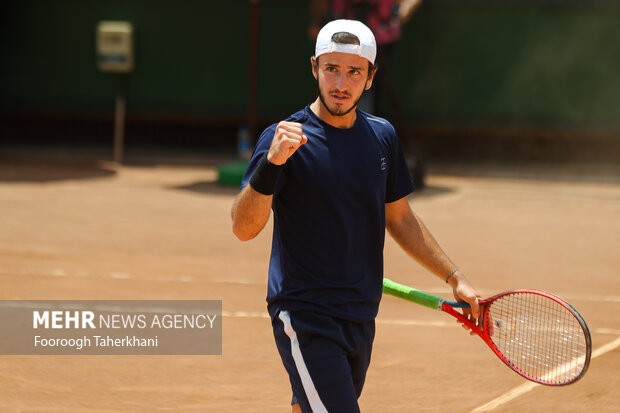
337,110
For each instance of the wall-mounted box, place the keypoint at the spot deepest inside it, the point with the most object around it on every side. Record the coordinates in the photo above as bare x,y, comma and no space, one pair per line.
115,46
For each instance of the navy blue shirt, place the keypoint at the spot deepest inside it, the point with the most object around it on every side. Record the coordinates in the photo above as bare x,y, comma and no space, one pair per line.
329,216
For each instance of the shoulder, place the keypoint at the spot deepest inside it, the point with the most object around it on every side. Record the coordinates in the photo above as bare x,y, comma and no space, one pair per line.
380,126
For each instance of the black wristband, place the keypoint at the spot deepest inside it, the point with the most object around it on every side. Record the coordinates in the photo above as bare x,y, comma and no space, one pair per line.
265,176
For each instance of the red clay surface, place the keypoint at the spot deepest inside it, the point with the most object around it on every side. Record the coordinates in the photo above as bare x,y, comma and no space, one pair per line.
99,231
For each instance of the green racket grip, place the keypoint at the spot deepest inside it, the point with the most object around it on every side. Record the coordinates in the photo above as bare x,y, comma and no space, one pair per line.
419,297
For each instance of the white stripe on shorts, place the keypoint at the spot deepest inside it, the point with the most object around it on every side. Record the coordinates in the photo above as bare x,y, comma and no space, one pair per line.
306,380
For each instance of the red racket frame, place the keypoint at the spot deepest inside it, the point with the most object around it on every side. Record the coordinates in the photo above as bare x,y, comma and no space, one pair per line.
449,307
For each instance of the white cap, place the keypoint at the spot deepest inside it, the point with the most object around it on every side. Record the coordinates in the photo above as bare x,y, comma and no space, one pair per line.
366,49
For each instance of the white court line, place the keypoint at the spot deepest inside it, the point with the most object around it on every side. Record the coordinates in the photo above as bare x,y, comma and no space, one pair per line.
394,321
239,281
591,297
446,290
432,323
526,387
423,323
245,314
250,314
59,272
138,307
606,331
264,314
566,296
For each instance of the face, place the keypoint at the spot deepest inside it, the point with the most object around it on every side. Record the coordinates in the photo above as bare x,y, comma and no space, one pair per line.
342,79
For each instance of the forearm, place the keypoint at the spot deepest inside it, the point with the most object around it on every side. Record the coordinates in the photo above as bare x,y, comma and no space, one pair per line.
250,213
415,239
250,210
413,236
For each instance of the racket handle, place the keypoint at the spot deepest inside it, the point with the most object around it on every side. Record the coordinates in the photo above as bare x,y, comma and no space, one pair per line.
411,294
456,304
419,297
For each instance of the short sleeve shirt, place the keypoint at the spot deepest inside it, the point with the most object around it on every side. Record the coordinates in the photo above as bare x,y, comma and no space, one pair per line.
329,216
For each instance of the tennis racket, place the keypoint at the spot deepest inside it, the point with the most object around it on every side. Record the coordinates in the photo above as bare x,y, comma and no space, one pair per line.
535,333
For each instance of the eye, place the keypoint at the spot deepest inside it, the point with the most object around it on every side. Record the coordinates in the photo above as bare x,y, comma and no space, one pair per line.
330,69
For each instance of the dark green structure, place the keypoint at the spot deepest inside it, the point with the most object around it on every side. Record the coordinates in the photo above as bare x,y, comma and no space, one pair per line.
462,68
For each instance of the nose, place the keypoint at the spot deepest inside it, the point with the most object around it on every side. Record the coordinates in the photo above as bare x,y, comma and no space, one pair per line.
341,81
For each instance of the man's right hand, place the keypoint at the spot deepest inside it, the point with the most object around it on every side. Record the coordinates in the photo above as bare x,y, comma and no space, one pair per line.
465,292
287,139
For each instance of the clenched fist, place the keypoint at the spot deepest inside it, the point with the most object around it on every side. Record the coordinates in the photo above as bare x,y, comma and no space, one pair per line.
287,139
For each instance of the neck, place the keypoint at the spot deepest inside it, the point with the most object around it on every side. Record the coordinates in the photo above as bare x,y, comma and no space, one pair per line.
342,122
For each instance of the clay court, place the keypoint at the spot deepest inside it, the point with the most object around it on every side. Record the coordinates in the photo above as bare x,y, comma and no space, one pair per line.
96,230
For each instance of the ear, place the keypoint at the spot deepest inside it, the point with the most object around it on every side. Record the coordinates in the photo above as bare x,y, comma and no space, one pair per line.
315,67
371,77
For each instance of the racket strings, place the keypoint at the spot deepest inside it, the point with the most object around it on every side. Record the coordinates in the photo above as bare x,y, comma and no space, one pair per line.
539,337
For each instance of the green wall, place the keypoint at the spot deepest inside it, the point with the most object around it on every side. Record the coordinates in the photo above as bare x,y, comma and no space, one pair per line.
539,64
550,68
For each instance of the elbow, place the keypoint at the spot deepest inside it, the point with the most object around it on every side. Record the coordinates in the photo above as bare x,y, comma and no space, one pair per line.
239,230
242,233
391,226
243,236
244,226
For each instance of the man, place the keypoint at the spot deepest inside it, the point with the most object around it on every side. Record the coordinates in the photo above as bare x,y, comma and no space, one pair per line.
335,178
384,18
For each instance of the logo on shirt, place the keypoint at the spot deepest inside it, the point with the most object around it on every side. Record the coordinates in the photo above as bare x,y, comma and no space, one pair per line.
383,164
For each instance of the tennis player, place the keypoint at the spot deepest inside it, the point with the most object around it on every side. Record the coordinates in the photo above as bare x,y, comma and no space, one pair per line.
335,178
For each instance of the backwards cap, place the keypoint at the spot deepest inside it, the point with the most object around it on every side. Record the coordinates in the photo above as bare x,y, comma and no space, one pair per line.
366,49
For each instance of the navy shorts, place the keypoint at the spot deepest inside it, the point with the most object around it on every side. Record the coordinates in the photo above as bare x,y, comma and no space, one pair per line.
326,359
